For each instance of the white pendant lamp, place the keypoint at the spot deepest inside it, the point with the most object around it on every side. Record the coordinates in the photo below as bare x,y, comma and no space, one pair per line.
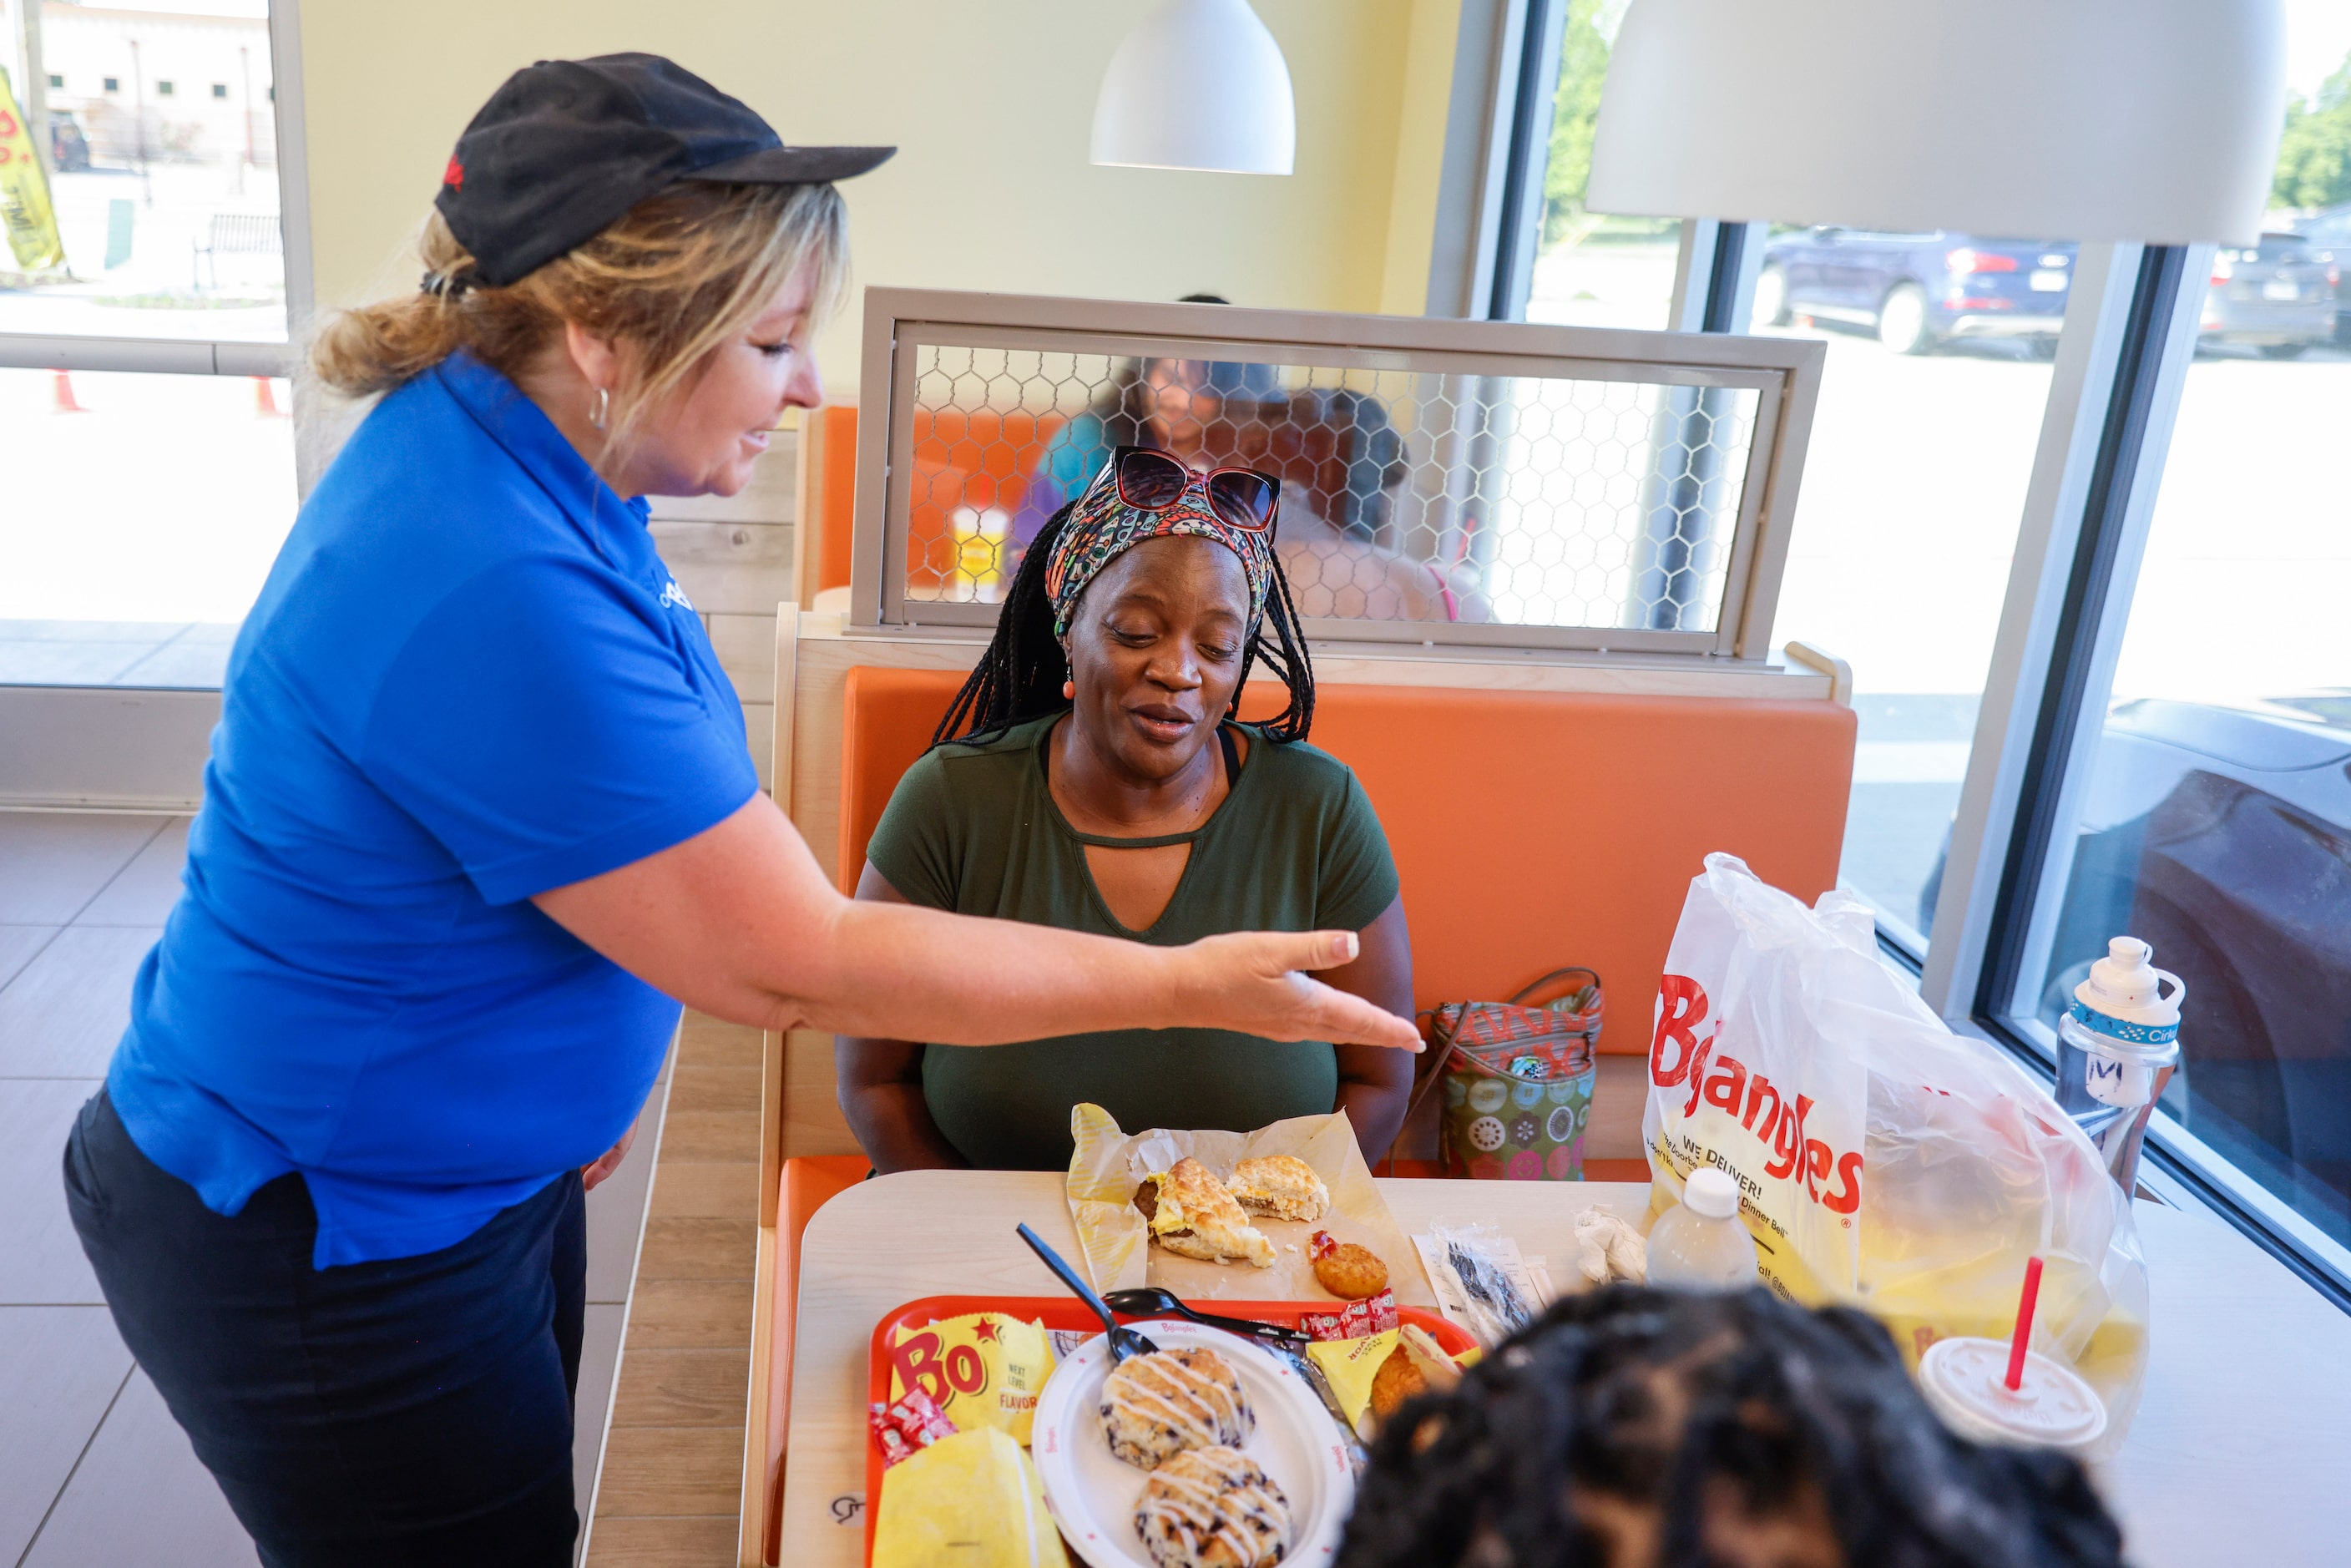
2153,120
1198,84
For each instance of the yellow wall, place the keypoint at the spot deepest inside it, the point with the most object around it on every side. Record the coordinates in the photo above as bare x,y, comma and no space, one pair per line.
990,103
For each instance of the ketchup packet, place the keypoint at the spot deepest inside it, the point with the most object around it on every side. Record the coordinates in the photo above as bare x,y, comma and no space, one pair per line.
1356,1320
914,1422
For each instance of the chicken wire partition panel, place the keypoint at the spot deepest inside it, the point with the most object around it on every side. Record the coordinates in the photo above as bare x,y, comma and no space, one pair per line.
1461,483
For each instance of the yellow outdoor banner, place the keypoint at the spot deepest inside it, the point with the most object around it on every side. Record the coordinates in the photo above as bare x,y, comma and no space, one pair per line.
25,194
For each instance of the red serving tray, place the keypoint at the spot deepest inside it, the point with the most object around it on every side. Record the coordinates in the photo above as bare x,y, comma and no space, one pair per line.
1067,1312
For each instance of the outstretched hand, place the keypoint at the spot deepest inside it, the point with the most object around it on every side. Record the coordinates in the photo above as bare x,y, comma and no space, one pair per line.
1254,982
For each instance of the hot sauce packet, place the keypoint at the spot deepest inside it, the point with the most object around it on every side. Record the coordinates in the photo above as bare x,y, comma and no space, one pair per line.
913,1423
1373,1314
982,1369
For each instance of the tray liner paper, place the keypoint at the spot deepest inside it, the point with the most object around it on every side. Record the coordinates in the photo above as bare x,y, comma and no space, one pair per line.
1108,1164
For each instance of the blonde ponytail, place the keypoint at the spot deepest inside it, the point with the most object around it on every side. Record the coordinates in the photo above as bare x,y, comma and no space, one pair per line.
676,276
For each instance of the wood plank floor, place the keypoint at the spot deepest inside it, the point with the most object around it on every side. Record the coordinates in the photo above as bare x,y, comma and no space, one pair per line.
673,1463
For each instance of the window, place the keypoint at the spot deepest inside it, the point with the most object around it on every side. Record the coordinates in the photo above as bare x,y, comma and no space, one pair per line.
151,479
1940,347
1589,269
2214,803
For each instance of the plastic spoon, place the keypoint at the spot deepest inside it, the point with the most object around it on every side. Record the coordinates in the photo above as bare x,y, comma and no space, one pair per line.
1123,1342
1150,1299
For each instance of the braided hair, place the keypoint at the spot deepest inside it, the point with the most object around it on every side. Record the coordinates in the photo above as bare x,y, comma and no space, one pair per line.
1643,1427
1021,675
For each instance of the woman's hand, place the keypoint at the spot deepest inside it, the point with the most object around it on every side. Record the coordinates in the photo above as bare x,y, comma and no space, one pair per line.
1253,982
590,1177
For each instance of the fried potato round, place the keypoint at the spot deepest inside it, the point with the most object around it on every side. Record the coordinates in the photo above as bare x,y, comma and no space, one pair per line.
1352,1271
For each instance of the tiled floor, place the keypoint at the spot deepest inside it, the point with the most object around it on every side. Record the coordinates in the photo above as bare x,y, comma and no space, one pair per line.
92,1470
114,653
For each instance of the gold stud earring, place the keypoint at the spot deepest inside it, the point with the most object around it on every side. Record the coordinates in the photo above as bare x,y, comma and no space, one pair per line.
1070,690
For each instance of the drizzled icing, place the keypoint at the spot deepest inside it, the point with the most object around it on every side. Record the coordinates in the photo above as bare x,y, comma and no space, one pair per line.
1212,1497
1180,1399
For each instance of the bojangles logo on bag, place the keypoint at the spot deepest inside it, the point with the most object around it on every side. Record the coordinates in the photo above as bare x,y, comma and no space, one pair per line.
1745,1096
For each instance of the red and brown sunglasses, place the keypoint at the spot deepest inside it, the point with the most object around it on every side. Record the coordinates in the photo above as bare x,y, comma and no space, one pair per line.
1151,481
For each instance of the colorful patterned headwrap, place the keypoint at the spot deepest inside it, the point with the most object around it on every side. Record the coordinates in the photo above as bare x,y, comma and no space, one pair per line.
1103,527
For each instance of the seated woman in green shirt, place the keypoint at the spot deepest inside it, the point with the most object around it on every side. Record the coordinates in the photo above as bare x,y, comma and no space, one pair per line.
1090,776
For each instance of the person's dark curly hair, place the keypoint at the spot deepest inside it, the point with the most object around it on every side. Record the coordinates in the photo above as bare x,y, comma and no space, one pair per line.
1019,677
1633,1427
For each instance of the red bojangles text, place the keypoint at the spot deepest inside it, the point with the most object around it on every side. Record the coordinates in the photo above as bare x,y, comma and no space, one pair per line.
1729,1086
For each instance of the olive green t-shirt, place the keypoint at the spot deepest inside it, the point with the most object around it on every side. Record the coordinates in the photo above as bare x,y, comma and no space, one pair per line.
1293,847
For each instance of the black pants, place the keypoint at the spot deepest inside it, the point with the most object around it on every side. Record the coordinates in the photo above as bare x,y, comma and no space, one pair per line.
408,1412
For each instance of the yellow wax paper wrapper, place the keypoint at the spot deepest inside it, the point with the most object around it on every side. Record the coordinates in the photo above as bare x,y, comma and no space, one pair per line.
982,1369
972,1500
1108,1164
1349,1366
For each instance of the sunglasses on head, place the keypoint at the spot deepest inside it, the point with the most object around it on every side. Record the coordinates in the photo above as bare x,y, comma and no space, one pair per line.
1151,481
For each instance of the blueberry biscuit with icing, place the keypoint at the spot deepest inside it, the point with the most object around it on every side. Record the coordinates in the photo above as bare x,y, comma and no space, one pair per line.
1213,1508
1157,1406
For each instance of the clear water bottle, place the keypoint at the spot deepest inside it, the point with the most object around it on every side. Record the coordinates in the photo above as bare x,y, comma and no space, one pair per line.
2117,1046
1701,1243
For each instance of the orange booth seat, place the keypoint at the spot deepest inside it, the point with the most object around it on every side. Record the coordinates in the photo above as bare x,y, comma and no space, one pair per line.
1530,829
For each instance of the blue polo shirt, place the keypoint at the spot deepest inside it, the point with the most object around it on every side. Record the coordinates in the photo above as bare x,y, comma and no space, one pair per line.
469,679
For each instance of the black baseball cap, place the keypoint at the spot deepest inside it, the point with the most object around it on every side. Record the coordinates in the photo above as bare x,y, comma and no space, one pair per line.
566,147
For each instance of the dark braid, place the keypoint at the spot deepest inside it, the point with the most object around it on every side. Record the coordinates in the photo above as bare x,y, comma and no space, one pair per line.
1698,1415
1020,677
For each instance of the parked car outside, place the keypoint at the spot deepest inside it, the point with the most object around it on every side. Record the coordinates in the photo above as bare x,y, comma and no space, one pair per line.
1918,291
2277,296
2222,836
2329,234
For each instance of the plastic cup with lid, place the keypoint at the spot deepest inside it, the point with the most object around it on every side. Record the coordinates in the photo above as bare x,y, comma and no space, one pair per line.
1966,1381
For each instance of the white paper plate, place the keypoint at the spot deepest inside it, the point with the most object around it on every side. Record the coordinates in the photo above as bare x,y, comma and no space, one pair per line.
1093,1492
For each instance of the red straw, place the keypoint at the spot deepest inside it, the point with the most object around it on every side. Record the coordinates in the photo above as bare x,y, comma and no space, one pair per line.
2015,1379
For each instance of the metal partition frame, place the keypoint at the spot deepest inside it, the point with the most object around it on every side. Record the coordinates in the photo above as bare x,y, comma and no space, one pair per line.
1784,374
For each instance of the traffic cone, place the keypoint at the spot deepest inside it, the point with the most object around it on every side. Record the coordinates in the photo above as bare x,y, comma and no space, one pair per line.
265,399
62,392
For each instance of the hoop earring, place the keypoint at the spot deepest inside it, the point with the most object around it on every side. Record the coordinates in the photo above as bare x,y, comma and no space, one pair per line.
604,409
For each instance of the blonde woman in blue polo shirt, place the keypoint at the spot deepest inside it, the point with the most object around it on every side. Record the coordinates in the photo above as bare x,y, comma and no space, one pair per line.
480,815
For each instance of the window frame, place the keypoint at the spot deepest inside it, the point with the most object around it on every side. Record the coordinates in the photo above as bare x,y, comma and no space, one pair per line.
197,356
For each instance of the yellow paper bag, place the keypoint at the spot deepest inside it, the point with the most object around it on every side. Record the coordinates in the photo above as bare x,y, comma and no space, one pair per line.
982,1369
972,1500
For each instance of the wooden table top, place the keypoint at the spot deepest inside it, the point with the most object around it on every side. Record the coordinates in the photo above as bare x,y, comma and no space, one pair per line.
2240,1454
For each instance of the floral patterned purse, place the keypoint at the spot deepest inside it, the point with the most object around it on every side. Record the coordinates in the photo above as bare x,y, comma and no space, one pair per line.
1516,1081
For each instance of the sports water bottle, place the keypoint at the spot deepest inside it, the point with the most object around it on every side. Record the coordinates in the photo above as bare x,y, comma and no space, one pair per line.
1701,1243
2117,1046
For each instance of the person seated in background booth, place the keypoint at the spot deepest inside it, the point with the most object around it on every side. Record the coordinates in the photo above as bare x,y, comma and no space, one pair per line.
1633,1427
1342,462
1091,775
1195,409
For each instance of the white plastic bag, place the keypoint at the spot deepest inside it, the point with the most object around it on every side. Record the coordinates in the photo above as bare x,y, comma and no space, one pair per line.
1883,1161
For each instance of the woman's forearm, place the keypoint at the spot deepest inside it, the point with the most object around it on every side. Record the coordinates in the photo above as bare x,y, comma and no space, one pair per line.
893,1123
740,922
1376,1111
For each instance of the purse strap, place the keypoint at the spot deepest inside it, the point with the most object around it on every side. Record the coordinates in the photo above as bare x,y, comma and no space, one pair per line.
1519,998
